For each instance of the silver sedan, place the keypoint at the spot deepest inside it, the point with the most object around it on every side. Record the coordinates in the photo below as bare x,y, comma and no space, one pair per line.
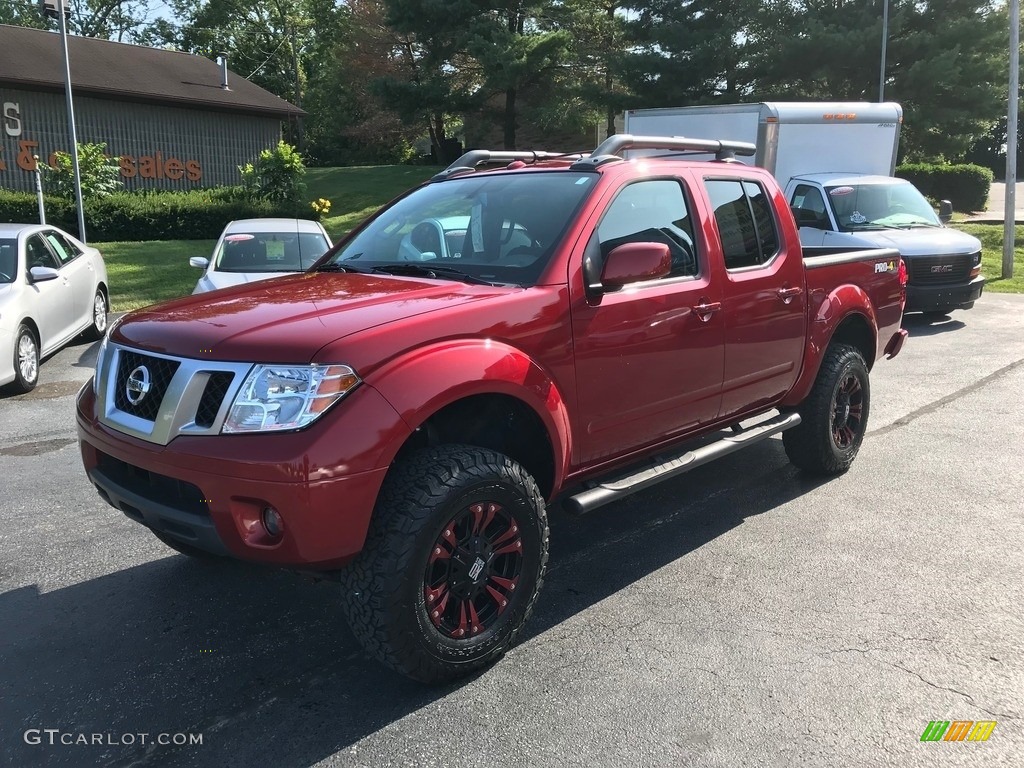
52,288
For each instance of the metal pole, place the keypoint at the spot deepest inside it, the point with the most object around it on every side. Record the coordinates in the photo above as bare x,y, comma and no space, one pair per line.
71,120
39,191
1010,211
885,39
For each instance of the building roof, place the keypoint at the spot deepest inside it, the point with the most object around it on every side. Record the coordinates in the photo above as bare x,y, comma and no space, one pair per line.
32,59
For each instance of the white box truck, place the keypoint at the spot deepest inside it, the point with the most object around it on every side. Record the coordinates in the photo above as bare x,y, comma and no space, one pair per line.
835,161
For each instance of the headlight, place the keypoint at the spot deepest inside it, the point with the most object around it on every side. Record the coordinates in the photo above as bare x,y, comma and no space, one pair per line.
276,397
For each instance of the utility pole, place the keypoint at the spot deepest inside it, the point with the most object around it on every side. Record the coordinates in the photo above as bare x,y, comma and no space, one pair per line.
60,9
885,40
1010,211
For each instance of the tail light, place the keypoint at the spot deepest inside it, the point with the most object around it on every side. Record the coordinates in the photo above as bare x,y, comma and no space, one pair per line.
902,272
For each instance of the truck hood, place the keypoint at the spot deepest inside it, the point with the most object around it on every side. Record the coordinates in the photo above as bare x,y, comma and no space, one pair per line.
287,319
922,241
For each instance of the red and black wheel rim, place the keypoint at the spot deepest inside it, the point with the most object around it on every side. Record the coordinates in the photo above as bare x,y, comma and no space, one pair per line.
848,412
473,570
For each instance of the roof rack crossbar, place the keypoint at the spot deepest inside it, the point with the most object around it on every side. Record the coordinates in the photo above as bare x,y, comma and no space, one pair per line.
470,160
616,144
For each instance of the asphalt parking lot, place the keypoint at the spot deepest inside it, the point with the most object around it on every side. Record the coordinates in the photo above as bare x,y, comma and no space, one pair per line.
741,615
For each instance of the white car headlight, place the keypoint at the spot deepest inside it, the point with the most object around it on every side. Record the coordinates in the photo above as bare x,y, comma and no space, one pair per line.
281,397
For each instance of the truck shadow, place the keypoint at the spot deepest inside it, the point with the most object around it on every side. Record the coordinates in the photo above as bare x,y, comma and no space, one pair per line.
261,662
920,325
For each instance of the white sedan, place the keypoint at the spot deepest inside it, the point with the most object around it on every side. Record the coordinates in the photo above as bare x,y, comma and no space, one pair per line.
257,249
52,288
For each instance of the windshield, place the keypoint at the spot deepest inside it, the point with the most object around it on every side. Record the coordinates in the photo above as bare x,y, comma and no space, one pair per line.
878,206
498,228
270,251
8,260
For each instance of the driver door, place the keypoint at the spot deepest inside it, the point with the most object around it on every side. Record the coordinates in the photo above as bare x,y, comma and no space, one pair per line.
650,356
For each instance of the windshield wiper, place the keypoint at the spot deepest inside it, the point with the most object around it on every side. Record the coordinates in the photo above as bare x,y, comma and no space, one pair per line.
437,272
337,267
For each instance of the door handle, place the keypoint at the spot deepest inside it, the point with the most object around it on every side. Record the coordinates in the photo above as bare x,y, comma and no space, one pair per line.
788,294
706,309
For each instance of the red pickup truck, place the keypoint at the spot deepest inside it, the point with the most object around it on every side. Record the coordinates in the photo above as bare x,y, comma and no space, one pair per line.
559,329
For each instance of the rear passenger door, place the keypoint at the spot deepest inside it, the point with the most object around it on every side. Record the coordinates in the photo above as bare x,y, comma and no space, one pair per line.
763,304
648,356
79,273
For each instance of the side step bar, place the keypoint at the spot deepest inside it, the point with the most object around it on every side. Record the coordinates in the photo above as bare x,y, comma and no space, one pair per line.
605,493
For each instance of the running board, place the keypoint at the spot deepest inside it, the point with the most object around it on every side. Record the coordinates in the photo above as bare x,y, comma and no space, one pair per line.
605,493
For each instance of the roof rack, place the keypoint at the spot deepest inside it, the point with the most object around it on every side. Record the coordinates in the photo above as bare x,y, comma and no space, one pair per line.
610,149
470,160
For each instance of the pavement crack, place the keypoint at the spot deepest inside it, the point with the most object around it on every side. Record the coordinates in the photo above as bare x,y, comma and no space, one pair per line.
965,695
942,401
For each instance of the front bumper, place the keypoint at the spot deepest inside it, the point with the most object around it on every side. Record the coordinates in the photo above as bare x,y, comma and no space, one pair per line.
210,492
930,298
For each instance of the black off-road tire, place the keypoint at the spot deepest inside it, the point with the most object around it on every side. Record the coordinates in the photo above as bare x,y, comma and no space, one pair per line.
387,588
828,438
185,549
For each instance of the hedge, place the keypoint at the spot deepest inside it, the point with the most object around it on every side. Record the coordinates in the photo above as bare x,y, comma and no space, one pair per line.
966,186
193,215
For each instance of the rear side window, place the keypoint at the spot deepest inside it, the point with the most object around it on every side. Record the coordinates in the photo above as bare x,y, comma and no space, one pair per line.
745,221
62,247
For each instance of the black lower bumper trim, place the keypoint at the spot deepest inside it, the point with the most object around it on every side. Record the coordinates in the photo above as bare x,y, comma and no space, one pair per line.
930,298
185,526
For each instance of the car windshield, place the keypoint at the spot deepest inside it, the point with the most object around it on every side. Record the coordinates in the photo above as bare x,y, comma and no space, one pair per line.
495,228
8,260
269,251
878,206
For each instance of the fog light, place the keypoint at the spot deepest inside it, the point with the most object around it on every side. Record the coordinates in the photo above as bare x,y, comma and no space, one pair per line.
272,521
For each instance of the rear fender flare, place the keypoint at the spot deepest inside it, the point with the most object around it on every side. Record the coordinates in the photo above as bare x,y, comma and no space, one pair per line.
830,313
422,382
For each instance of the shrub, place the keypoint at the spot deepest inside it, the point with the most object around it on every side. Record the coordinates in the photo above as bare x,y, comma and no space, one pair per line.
276,176
966,186
99,172
152,215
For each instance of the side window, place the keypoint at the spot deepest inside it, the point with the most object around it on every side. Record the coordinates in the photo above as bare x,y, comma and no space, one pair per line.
65,251
745,221
38,255
651,212
809,207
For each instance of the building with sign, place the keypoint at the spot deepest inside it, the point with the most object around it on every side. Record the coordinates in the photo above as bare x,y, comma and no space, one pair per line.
173,120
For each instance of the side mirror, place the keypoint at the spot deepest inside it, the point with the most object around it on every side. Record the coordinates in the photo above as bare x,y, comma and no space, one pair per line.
636,262
199,262
945,211
42,274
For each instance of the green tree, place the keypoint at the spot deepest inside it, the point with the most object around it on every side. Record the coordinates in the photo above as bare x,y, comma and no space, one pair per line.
100,173
945,63
276,175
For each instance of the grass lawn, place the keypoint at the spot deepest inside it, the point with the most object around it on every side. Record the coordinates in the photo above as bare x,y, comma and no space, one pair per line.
156,270
991,236
358,191
148,272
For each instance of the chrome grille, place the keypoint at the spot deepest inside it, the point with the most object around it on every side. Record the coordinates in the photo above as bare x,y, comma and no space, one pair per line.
186,396
159,371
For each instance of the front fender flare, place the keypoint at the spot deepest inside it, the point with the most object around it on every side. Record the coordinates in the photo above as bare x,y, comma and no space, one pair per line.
419,384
